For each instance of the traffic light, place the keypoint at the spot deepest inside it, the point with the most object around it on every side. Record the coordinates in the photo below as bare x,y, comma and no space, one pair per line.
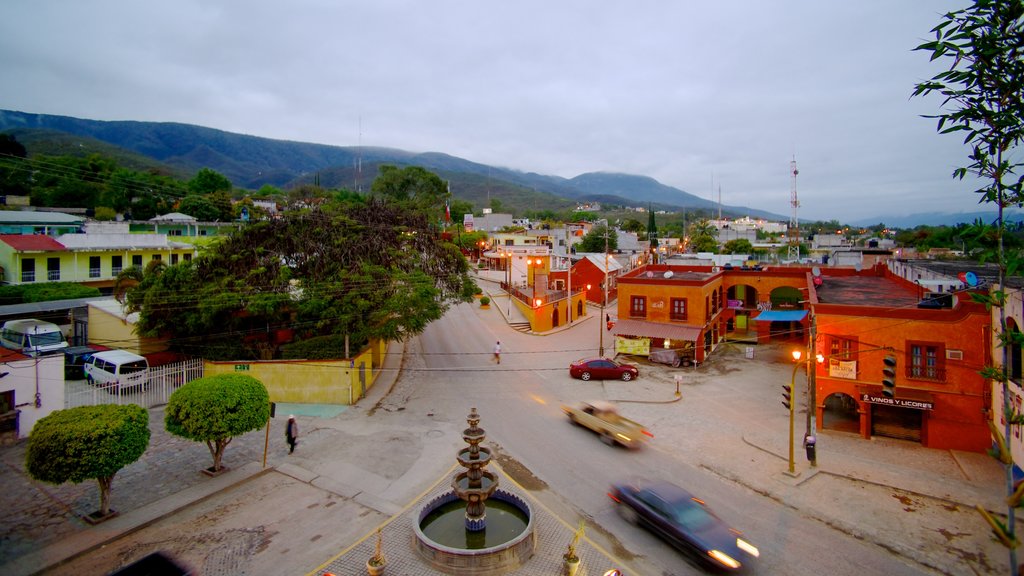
889,376
786,396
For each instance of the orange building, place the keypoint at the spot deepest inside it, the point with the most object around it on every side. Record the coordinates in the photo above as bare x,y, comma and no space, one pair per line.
856,317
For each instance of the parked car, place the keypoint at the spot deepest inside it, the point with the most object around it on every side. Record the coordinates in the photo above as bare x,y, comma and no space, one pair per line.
32,337
684,521
602,369
604,418
75,359
674,357
117,370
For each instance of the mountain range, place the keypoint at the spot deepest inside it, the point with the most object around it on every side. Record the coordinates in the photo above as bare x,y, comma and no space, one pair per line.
252,161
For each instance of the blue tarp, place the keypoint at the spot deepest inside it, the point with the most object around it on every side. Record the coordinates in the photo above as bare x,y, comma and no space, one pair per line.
781,315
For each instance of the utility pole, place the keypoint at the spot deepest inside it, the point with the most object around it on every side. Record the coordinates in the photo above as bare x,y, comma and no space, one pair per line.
794,223
604,296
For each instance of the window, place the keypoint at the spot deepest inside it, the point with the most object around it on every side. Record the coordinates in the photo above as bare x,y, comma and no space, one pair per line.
188,257
174,259
927,360
53,269
137,260
842,348
116,263
94,266
638,306
157,257
678,309
28,270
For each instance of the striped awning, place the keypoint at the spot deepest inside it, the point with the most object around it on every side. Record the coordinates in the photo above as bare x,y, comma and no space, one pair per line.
642,328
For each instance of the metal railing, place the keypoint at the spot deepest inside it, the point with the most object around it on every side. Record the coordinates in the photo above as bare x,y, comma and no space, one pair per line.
162,382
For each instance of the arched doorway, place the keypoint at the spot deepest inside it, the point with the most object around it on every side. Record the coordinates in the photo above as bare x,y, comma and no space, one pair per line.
554,317
842,413
579,309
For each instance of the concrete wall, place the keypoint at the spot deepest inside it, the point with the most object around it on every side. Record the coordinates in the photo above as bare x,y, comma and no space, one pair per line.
25,378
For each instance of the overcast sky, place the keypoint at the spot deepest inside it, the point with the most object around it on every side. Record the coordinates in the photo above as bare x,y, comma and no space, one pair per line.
698,95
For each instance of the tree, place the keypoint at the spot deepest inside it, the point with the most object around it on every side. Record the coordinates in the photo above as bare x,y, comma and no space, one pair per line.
703,236
200,208
208,181
414,187
595,240
215,409
737,246
633,225
87,442
983,48
373,270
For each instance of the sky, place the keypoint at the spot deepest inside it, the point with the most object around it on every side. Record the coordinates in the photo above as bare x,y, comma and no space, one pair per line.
714,98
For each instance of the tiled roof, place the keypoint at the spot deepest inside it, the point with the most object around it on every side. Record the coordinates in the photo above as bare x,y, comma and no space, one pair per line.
31,242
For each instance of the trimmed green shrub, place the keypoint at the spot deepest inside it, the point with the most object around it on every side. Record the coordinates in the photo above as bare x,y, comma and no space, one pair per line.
484,301
87,442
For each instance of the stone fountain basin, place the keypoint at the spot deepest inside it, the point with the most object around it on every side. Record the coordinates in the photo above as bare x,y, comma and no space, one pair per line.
494,560
466,459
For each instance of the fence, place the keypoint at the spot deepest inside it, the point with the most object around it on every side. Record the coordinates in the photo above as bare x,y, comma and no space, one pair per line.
162,382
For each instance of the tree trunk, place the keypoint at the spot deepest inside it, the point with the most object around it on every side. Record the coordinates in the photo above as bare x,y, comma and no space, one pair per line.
105,483
217,450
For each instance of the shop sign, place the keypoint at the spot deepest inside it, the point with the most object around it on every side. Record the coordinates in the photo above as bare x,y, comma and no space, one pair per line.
898,402
841,369
635,346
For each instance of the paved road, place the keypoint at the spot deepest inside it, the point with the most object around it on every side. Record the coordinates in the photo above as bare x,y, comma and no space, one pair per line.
892,507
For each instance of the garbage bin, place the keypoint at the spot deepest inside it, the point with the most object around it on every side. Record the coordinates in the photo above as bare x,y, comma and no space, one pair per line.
809,444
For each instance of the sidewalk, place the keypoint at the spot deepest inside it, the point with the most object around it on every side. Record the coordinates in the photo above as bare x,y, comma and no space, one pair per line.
916,502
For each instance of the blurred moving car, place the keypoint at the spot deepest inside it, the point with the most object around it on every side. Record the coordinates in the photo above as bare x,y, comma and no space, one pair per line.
674,357
684,521
602,369
604,418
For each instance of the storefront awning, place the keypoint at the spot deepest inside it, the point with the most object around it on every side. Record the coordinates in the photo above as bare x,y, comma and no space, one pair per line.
781,316
656,330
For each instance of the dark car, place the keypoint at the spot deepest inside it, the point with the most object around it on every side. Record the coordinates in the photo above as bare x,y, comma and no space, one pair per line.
75,358
684,521
602,369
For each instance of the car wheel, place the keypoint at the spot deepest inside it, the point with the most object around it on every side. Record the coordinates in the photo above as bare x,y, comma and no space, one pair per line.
627,513
627,376
585,376
676,363
607,439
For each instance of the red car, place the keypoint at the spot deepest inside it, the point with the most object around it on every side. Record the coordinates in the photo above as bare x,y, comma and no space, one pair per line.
602,369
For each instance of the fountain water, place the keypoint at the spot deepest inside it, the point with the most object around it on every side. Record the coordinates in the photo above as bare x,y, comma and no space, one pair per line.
454,532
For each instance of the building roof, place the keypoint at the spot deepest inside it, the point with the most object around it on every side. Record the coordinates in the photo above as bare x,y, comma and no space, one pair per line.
173,217
866,291
32,242
8,217
598,261
105,241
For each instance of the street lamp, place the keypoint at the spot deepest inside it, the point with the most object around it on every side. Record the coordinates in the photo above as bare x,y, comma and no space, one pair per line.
791,403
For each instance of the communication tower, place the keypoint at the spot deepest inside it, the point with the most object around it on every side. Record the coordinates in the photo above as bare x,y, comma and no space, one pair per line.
794,225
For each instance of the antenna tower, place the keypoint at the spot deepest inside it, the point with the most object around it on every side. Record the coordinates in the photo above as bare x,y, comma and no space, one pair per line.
359,159
794,223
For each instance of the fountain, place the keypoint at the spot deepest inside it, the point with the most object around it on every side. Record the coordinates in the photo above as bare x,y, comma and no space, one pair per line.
475,529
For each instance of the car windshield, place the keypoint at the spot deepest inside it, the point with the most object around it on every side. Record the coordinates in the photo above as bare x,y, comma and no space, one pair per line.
45,339
691,515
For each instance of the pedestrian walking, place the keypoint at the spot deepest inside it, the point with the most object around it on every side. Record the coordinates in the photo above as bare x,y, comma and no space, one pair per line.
291,433
497,352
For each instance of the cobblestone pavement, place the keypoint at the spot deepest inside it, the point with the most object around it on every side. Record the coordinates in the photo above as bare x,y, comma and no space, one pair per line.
37,513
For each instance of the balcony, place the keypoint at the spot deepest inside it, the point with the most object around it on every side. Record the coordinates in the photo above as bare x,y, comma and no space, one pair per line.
28,276
94,272
53,275
933,373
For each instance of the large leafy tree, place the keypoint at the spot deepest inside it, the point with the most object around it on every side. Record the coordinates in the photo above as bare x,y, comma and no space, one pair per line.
215,409
412,186
373,270
982,46
208,181
87,442
599,237
703,236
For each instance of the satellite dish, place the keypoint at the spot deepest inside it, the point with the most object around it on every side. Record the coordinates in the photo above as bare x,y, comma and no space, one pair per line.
858,266
650,274
714,269
962,277
971,278
668,274
816,271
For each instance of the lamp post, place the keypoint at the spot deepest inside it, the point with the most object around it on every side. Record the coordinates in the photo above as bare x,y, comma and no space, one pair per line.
792,412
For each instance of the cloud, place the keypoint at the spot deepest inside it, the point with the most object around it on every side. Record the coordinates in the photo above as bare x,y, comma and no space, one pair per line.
696,95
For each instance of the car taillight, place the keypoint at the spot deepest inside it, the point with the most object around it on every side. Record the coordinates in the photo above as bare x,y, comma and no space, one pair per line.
615,498
646,433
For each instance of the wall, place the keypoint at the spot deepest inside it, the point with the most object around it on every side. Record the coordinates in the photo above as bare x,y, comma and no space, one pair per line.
112,329
25,377
309,381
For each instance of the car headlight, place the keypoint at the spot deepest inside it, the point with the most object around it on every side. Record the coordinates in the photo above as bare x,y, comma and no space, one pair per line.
747,547
724,559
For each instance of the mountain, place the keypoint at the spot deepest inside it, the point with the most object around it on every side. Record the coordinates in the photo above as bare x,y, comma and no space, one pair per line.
939,219
251,162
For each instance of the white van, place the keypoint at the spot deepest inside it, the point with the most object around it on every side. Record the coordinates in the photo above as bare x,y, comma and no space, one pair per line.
32,337
118,369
